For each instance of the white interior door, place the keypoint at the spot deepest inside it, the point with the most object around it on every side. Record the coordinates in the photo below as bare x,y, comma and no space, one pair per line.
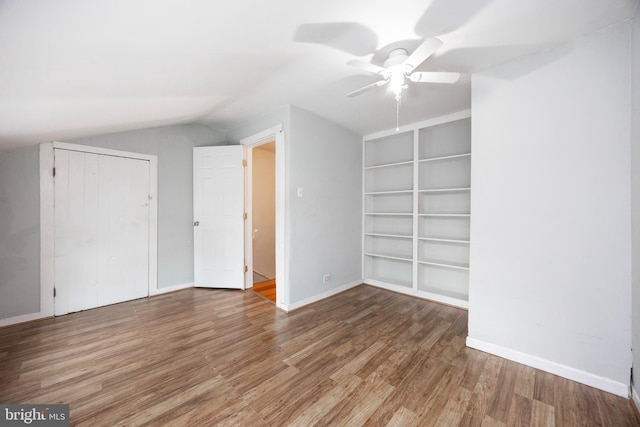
102,220
218,216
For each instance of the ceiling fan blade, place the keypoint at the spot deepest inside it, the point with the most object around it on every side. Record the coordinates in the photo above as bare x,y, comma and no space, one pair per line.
366,88
434,77
362,65
425,50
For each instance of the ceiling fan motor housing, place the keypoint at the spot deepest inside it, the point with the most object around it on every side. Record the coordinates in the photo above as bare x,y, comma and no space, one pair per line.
396,57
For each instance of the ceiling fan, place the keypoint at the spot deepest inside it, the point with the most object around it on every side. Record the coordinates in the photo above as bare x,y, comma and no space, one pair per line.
399,67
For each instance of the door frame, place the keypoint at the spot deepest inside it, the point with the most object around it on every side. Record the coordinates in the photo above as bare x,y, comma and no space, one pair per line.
47,216
276,134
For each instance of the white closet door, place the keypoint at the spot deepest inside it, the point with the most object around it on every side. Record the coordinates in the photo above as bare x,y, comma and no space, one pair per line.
101,230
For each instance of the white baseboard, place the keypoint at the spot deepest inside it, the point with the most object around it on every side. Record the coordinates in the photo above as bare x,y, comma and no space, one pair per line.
564,371
315,298
167,289
39,315
22,318
635,397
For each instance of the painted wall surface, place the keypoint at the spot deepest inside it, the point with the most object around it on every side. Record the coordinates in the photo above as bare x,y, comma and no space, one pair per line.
280,116
635,194
174,147
550,269
264,211
19,232
322,228
325,160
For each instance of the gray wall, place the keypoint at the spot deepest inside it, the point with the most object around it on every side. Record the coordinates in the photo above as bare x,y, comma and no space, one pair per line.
20,209
550,269
19,232
323,228
635,194
326,223
279,116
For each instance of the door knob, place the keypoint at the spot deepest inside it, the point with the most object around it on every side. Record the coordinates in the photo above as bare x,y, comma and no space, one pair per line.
196,223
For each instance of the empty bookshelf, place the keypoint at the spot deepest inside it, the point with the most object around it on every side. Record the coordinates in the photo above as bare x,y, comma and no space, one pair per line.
417,188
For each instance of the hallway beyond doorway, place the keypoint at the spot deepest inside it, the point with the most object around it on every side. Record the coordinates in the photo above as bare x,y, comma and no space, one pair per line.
267,289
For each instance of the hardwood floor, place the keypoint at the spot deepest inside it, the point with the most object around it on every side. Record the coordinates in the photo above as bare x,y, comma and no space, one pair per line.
266,288
363,357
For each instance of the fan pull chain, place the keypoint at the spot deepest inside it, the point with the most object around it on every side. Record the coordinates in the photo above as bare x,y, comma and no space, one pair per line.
397,113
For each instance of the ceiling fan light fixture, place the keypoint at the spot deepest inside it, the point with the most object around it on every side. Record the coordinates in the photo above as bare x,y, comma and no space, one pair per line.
396,81
399,69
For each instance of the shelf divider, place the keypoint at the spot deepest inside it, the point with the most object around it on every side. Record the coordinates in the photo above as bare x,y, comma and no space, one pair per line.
447,264
445,190
389,165
388,256
453,156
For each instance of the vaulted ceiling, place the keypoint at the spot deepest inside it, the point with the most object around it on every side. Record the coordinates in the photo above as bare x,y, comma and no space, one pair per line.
72,68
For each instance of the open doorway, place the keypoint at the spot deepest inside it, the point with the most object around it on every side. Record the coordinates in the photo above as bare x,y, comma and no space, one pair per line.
276,134
263,206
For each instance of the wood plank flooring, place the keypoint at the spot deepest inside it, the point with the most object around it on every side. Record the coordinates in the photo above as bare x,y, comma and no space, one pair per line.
204,357
266,288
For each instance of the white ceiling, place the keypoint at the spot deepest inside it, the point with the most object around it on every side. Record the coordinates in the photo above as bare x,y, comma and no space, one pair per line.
72,68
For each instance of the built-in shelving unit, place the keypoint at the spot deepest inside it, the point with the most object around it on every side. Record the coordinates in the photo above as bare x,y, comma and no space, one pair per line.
417,188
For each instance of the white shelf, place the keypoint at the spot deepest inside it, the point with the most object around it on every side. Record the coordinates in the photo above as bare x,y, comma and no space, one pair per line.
388,193
385,282
446,264
395,236
450,215
455,296
434,239
389,165
388,214
388,256
446,190
454,156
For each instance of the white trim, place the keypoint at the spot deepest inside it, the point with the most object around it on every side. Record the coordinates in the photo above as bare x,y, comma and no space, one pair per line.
316,298
247,155
363,203
635,397
415,267
464,114
261,137
153,224
104,151
173,288
564,371
443,299
282,274
47,219
22,318
47,230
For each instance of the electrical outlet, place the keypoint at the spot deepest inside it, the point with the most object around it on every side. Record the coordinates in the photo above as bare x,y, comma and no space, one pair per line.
326,278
